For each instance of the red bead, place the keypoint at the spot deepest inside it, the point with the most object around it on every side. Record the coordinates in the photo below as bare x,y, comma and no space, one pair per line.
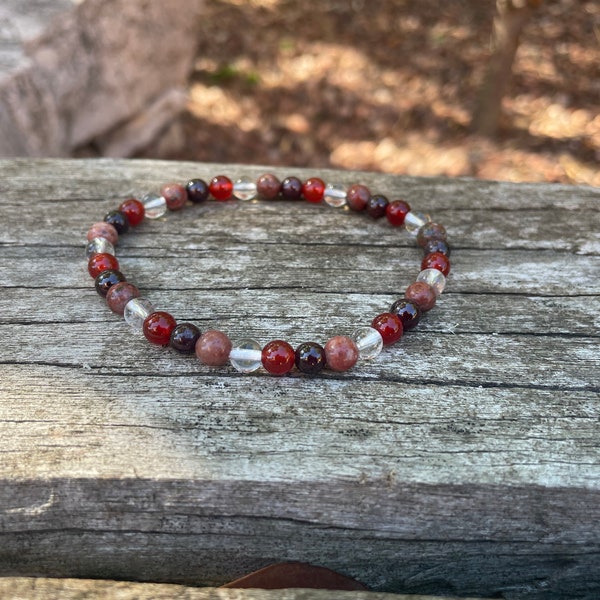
389,326
103,230
119,295
436,260
421,294
102,262
396,211
268,186
357,197
221,187
134,210
341,353
158,328
278,357
213,348
313,189
175,195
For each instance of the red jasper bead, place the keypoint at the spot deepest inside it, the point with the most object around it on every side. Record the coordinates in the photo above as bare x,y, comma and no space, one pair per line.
102,262
389,326
134,210
396,211
175,195
437,260
221,187
268,186
313,189
357,197
158,327
278,357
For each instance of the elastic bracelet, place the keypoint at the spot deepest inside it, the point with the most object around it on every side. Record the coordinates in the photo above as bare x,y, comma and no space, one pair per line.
213,347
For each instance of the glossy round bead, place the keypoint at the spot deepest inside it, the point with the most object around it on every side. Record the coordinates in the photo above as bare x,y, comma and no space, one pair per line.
357,197
335,195
268,186
184,337
396,212
197,190
278,357
134,210
313,190
213,348
158,327
119,295
408,311
102,262
413,221
430,231
244,189
377,205
291,188
155,205
175,195
341,353
246,355
136,311
421,294
437,246
103,230
107,279
368,341
389,326
434,278
310,358
436,260
221,187
118,220
97,246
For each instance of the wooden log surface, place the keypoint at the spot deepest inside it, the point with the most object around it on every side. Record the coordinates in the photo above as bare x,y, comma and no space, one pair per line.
465,460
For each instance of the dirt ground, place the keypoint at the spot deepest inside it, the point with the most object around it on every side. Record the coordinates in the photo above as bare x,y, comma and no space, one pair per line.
389,85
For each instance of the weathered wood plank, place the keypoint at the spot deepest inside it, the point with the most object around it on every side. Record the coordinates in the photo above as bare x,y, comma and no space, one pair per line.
464,460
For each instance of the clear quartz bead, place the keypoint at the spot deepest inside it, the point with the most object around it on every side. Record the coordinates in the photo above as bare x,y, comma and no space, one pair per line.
434,278
335,195
413,221
246,355
244,189
369,342
136,311
155,205
98,245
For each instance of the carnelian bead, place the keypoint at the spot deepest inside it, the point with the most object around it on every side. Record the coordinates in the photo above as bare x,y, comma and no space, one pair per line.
278,357
436,260
389,326
134,211
158,327
396,211
221,187
313,189
102,262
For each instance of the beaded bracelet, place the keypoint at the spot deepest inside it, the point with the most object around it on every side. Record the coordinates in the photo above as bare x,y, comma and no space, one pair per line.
213,347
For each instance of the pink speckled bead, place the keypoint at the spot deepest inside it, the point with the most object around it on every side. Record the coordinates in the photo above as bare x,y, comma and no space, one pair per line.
213,348
119,295
341,353
421,294
103,230
175,195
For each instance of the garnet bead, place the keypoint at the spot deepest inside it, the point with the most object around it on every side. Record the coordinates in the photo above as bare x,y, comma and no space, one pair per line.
184,337
221,187
408,311
197,190
310,358
357,197
268,186
421,294
175,195
396,212
436,260
389,326
119,295
107,279
158,327
102,262
118,220
278,357
134,210
437,246
377,205
291,188
341,353
213,348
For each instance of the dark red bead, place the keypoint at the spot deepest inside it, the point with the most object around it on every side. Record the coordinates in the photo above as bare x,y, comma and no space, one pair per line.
310,358
291,188
437,260
357,197
221,187
437,246
313,189
396,211
197,190
158,327
408,312
278,357
107,279
134,210
184,337
175,195
268,186
377,205
389,326
118,220
102,262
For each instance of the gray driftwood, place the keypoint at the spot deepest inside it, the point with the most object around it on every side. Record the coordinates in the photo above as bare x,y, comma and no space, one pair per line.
464,460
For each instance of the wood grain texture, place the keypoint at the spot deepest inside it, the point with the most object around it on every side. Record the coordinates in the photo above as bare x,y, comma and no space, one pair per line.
465,460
